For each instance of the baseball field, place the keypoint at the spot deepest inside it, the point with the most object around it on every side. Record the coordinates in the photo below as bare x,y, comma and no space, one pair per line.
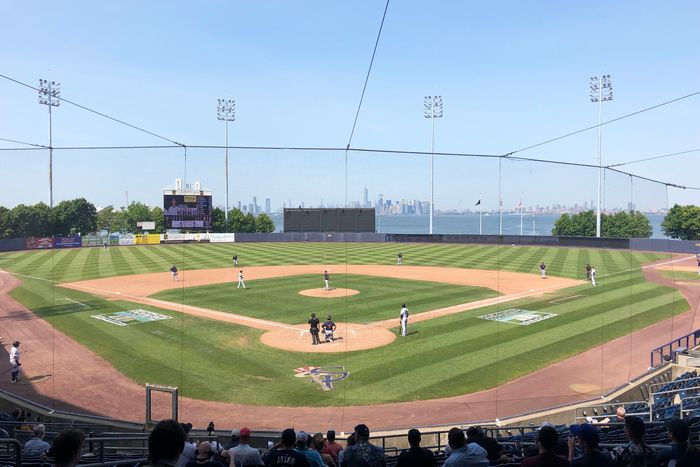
212,344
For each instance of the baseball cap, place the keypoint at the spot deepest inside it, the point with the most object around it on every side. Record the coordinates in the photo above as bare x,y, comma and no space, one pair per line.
244,432
586,432
362,430
236,432
302,437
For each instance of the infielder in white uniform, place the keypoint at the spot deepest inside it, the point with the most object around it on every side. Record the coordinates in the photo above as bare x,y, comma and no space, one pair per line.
325,280
404,320
593,276
240,279
14,361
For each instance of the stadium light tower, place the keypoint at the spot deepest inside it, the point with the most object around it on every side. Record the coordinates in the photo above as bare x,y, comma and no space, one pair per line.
50,96
226,111
601,91
432,109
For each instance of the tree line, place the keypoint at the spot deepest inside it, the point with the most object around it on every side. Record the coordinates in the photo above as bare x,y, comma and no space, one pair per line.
681,222
79,216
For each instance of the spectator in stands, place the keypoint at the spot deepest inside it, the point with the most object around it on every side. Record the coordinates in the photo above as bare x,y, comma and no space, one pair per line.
165,443
66,448
204,456
588,438
547,439
188,448
243,454
464,454
349,442
331,446
36,446
636,452
302,446
620,414
282,454
493,449
363,453
317,444
691,458
235,433
415,456
678,432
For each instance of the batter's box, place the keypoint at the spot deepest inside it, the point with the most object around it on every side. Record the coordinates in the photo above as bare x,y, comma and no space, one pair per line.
518,316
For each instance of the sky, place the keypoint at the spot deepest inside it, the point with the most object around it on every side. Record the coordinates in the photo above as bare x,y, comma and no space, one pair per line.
511,74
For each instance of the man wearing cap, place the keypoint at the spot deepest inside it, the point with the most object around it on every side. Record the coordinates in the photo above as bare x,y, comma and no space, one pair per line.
203,456
587,437
14,361
302,446
283,453
363,453
464,454
243,454
328,329
416,456
235,433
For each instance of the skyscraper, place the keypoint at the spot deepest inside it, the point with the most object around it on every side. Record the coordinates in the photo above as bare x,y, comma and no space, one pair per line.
267,205
365,203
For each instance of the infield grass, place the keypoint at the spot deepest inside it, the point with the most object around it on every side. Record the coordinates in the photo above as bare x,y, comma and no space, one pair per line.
447,356
278,299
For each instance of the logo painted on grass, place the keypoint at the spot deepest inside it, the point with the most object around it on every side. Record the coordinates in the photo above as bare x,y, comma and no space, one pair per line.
518,316
324,376
123,318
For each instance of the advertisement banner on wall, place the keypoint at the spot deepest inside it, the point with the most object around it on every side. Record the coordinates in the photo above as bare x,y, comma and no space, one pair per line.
126,240
38,243
68,242
150,239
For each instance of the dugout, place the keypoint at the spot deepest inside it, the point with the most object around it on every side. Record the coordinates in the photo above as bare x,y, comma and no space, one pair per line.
329,220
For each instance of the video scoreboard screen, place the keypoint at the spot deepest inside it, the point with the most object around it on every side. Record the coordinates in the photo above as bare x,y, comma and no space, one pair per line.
189,212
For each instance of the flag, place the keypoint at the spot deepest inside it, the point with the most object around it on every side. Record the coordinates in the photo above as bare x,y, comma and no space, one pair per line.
520,204
478,203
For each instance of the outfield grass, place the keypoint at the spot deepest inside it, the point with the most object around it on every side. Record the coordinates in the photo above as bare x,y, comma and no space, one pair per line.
89,263
278,299
443,357
681,275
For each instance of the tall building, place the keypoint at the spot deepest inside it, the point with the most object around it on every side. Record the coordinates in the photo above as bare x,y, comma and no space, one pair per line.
365,199
267,205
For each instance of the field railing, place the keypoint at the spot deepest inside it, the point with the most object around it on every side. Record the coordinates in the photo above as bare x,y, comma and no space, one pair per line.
667,352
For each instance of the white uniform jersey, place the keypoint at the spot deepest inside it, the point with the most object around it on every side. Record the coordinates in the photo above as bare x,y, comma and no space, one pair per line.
14,355
404,314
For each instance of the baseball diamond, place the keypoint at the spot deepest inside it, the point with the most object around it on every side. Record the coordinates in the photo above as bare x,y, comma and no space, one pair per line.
253,340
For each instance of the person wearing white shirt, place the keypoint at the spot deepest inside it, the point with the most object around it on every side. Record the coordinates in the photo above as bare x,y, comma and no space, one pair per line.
14,361
404,320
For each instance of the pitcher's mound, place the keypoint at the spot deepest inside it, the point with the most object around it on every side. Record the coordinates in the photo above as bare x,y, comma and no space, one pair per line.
330,293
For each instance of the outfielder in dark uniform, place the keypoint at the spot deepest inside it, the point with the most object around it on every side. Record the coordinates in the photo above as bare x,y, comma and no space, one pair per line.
588,272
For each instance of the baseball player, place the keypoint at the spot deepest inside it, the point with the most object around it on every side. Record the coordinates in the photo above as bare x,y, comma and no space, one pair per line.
593,276
404,320
588,271
14,361
313,329
399,258
240,280
235,261
325,280
173,271
543,271
697,257
328,328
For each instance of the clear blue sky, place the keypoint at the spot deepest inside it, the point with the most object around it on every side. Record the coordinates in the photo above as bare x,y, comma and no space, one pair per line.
511,74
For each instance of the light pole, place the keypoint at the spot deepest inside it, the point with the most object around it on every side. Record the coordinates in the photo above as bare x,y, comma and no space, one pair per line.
432,109
50,96
601,91
226,111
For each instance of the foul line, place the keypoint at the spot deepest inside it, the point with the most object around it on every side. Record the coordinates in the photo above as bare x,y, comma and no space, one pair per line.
74,301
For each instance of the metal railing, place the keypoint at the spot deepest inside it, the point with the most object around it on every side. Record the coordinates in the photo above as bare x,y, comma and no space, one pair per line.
688,341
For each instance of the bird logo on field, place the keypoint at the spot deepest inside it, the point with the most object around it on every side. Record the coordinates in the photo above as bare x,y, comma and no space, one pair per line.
324,376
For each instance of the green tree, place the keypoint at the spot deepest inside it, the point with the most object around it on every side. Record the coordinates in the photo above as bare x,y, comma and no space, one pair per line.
581,224
106,219
4,222
136,212
236,222
248,223
682,222
158,216
218,220
75,216
30,221
264,224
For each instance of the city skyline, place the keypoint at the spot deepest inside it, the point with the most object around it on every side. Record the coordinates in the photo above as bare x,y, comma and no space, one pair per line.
298,85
